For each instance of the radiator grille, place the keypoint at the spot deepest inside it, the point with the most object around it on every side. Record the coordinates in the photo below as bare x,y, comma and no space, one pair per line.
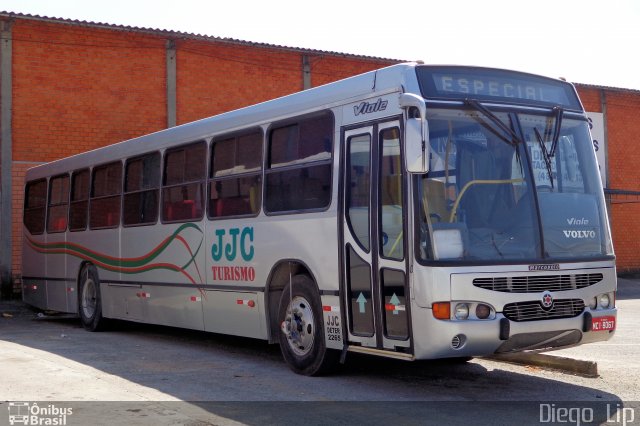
537,283
533,310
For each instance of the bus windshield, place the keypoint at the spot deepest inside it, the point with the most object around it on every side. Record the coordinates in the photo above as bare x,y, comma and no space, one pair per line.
510,186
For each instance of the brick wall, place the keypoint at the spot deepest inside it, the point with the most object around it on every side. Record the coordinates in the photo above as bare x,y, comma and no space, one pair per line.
214,77
78,87
623,130
17,176
624,173
590,98
325,69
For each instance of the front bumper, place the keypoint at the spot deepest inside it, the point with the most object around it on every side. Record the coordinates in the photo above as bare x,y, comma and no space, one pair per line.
451,338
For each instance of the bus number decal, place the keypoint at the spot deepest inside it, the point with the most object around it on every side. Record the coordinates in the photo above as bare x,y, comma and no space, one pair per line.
332,324
227,244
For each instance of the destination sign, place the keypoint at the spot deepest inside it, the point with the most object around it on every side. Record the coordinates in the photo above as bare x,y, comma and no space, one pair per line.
495,85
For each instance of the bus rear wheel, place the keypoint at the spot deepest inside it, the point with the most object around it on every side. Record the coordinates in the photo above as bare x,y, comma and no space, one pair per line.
301,334
90,301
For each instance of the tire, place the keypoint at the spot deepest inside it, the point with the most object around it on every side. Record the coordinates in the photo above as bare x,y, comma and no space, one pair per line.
89,300
303,346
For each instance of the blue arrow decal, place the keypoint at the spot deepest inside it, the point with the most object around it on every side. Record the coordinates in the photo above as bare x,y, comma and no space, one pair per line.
361,301
394,301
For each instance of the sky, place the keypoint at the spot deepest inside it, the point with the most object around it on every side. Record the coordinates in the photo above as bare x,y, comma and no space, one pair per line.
585,41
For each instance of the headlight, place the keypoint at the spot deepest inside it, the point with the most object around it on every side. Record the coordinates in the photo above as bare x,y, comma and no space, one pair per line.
462,311
483,311
604,300
593,304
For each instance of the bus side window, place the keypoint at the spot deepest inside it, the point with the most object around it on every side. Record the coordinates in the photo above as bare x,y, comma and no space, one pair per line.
79,205
141,190
35,202
58,204
235,182
106,195
298,177
183,183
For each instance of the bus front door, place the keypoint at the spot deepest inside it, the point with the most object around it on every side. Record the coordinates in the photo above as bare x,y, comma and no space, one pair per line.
375,289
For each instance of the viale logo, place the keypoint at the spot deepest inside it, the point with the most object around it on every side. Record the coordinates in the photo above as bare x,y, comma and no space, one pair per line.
368,108
574,221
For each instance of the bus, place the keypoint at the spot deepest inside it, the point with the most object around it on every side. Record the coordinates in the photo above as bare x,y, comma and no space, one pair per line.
412,212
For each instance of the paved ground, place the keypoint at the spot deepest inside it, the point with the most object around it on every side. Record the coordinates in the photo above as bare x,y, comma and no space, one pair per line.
234,380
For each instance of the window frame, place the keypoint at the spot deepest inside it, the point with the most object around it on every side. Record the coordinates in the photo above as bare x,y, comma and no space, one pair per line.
349,191
103,197
269,170
26,210
157,188
86,200
64,203
403,191
235,176
202,181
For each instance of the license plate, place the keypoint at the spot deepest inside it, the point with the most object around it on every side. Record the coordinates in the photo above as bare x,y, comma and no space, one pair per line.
603,323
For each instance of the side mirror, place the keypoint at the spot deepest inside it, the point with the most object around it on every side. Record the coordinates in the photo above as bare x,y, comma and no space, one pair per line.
416,148
416,140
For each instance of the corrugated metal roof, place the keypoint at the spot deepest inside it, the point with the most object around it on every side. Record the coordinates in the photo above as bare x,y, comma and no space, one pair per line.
611,88
180,34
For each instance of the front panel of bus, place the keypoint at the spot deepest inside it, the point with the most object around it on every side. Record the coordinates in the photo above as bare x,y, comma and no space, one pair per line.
511,237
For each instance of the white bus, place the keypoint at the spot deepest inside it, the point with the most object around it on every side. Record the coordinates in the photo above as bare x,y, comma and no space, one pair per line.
412,212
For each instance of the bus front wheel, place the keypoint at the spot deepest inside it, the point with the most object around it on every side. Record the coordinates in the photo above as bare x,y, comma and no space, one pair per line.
90,302
301,334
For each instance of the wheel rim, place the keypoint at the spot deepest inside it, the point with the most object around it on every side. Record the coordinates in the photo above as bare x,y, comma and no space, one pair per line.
300,326
88,299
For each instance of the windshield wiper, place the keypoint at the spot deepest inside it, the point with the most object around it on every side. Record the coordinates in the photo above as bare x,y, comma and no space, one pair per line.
556,130
545,154
515,139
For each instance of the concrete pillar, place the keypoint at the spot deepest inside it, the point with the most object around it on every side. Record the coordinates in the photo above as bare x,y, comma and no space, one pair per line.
603,108
171,83
306,72
6,156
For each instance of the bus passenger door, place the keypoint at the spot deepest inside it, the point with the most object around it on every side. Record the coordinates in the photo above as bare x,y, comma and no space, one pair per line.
375,290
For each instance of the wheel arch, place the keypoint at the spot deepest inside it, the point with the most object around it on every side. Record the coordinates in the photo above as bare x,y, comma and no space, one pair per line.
276,282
